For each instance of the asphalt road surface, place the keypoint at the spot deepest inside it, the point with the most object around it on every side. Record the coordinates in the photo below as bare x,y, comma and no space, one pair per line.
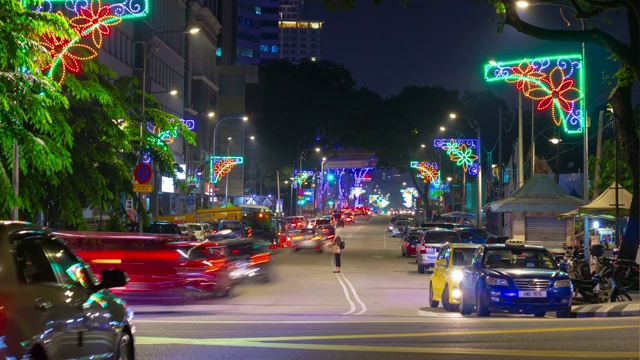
375,309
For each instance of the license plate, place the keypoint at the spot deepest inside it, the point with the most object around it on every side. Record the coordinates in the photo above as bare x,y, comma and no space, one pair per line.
532,294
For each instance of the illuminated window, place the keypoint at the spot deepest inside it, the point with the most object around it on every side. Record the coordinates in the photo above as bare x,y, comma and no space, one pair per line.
313,58
287,24
258,10
264,48
274,49
219,52
316,25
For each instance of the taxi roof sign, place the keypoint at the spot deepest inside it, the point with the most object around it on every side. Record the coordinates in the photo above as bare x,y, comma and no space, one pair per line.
514,242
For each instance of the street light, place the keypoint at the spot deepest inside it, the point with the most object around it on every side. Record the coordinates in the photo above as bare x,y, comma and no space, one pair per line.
585,130
322,185
213,150
226,188
145,58
472,122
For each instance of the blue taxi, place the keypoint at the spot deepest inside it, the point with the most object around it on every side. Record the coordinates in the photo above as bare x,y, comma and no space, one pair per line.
517,278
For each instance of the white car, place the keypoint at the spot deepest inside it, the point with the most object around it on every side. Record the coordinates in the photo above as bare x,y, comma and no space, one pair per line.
431,242
400,225
197,231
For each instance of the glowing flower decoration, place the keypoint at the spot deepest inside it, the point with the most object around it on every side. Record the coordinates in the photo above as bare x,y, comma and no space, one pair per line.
559,91
464,157
222,165
524,73
66,53
95,20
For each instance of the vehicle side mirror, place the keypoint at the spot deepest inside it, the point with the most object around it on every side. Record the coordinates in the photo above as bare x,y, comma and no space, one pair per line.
564,267
441,262
113,278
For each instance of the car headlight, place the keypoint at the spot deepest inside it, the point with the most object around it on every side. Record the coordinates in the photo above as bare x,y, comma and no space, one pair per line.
562,283
457,275
491,281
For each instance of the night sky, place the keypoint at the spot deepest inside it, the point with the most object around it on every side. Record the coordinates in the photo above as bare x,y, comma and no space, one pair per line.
434,42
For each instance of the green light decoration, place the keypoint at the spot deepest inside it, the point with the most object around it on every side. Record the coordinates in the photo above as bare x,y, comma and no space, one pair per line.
301,176
222,165
462,151
92,19
427,171
555,82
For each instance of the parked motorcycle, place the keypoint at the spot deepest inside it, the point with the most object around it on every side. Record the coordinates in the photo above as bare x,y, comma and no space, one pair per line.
597,287
626,273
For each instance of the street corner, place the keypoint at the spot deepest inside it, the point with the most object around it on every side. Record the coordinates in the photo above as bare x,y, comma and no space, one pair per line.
623,309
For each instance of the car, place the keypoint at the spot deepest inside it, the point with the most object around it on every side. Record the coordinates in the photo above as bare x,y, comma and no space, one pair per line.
444,285
517,278
313,223
197,231
392,223
313,239
410,242
157,227
432,240
400,227
477,235
53,306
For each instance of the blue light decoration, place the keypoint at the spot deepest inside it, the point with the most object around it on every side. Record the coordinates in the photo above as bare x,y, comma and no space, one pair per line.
555,82
301,176
462,151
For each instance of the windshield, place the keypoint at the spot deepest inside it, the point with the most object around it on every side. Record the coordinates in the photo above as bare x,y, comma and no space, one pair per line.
480,232
441,237
519,259
195,227
230,225
414,237
461,256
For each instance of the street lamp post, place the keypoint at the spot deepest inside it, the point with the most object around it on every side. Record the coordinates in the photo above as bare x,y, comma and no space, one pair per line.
472,122
226,188
213,152
145,56
322,186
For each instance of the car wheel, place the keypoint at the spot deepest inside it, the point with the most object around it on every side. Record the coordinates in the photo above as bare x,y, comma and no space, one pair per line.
539,314
432,303
465,307
481,308
564,313
445,300
420,269
125,347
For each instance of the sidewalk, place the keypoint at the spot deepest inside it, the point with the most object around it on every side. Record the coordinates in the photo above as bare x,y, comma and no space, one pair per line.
614,309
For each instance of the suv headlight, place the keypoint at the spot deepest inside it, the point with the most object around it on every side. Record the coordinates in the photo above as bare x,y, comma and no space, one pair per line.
562,283
491,281
457,275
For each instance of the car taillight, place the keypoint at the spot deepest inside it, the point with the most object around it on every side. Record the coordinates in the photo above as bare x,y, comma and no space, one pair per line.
260,258
214,265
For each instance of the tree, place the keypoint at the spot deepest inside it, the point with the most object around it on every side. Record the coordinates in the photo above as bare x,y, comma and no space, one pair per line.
31,105
627,51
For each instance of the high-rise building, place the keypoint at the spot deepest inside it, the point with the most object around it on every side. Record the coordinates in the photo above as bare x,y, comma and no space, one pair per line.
300,38
249,31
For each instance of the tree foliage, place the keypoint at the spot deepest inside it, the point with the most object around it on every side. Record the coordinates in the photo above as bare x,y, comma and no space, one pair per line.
31,106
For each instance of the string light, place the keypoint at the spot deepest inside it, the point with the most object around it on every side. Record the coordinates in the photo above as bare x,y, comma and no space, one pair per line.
300,177
554,82
222,165
92,19
462,151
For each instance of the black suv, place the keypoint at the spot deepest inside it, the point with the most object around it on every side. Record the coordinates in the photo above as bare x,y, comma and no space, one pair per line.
157,227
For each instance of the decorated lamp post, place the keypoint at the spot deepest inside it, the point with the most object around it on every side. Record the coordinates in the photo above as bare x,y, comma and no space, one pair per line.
463,153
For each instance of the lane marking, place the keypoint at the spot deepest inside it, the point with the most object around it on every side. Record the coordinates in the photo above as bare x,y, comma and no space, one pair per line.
384,236
409,349
352,305
371,321
392,336
355,295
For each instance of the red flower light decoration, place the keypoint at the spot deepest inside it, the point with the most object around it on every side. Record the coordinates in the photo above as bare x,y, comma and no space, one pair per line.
95,21
557,90
67,53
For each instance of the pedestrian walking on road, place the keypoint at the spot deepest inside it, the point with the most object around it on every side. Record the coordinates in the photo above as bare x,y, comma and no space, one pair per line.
337,250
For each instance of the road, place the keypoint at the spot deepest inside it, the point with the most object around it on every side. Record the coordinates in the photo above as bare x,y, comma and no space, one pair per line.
375,309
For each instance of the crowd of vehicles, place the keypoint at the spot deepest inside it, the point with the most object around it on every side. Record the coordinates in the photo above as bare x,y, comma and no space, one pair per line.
474,270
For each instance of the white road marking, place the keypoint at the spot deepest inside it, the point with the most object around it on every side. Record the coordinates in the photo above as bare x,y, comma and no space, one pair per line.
355,295
384,236
347,296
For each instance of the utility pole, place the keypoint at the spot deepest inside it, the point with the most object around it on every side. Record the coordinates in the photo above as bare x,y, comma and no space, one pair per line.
520,144
500,167
596,174
278,187
533,139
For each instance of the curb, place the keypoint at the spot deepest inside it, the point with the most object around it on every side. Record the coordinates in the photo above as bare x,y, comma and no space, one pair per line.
605,310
